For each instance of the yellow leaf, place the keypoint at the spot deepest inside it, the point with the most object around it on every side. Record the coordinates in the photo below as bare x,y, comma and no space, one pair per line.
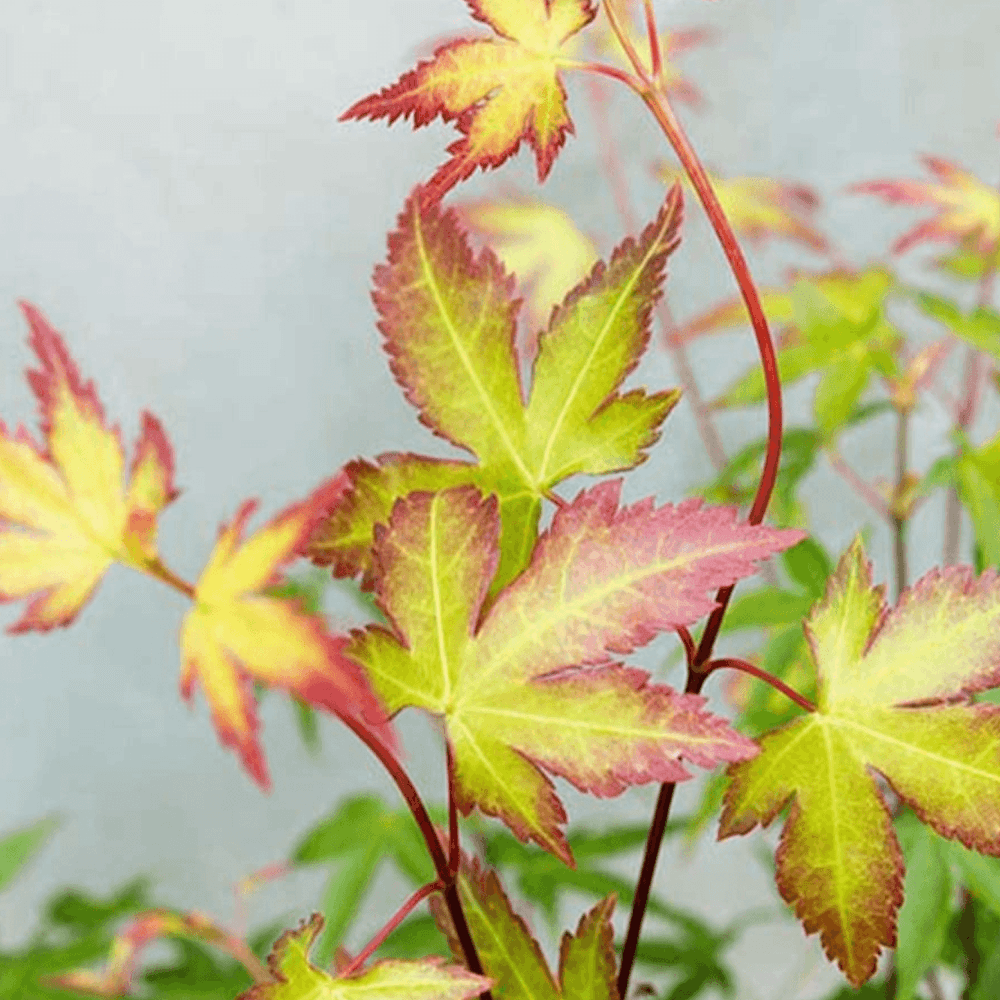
65,516
236,634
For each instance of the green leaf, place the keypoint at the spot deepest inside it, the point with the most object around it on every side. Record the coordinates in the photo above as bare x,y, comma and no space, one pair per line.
766,607
305,720
357,837
926,910
840,387
979,873
980,328
979,490
840,324
542,879
968,262
296,978
416,937
808,565
80,912
449,321
17,848
199,973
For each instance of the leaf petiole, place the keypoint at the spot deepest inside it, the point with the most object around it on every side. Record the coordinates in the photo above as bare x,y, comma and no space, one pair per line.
734,663
400,915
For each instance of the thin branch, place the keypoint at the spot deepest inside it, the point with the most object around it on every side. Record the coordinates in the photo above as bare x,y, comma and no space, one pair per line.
899,515
655,56
401,914
689,647
966,411
659,105
643,887
454,845
862,487
441,865
734,663
156,568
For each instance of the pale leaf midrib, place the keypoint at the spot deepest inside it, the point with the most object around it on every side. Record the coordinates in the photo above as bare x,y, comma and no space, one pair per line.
617,306
555,722
436,596
572,609
469,739
877,735
487,400
842,909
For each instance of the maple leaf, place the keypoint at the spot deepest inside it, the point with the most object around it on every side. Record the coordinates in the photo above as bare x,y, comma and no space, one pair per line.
846,338
511,955
893,689
296,978
236,634
65,515
508,679
499,91
853,293
538,243
968,210
449,324
761,207
116,978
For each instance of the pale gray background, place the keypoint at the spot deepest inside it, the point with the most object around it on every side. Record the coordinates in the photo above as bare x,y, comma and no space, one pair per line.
176,194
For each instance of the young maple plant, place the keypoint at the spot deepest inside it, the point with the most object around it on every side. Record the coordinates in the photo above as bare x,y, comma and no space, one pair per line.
511,634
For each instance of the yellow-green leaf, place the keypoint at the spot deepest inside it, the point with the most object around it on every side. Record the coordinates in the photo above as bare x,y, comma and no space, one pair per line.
236,633
529,683
65,513
449,324
296,978
893,697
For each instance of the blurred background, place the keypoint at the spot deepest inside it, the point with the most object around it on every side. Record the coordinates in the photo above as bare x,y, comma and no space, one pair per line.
177,195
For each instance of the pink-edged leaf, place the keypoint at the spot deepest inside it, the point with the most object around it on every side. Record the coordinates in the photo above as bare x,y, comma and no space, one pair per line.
892,697
236,634
296,978
529,682
762,208
65,512
499,91
448,318
968,211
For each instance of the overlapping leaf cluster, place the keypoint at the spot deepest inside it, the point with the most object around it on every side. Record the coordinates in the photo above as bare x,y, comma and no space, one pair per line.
66,516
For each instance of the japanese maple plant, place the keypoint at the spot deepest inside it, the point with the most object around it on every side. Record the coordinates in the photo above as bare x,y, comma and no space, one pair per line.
507,606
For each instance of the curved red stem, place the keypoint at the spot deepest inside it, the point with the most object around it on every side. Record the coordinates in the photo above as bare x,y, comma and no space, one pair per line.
734,663
654,98
445,876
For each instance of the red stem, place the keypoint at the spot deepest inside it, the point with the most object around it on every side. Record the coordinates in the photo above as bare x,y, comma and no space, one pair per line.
689,648
441,864
454,845
655,56
860,486
654,839
401,914
658,104
734,663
